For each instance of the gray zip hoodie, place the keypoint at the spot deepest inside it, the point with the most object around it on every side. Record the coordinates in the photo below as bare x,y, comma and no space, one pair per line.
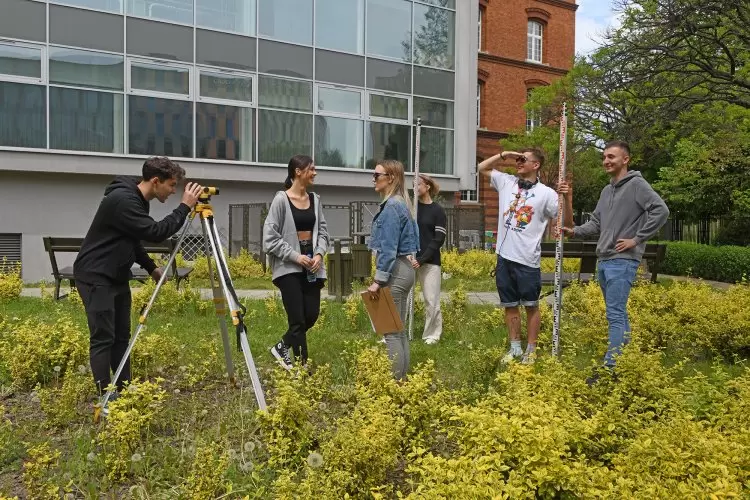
627,209
280,239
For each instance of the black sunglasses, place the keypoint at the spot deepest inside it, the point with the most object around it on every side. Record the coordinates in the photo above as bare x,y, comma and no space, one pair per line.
377,174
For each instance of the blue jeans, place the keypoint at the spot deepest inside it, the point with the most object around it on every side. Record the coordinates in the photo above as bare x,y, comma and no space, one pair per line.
616,277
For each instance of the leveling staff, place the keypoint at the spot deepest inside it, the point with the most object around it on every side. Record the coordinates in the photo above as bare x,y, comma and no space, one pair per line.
112,245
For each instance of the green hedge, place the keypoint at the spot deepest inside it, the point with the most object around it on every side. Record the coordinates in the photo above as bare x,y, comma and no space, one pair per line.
719,263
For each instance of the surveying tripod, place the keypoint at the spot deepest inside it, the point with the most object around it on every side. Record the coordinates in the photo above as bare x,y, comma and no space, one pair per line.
223,293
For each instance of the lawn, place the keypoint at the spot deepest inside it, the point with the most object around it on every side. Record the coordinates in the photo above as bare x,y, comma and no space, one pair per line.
674,420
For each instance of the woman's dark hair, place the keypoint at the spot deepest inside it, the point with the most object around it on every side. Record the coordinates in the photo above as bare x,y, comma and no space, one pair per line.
297,162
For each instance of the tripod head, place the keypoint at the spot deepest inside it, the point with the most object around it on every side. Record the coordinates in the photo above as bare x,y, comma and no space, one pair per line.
207,192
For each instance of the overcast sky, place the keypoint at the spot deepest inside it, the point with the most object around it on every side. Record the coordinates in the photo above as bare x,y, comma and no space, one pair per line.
592,18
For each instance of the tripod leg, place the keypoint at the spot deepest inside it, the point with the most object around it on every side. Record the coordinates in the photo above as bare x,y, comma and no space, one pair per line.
101,407
235,306
219,305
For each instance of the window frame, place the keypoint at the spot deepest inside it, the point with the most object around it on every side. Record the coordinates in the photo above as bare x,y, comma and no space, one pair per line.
381,119
190,96
42,48
532,38
227,102
339,114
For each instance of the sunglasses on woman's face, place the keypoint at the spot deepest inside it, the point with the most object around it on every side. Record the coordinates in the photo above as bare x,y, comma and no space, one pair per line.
376,175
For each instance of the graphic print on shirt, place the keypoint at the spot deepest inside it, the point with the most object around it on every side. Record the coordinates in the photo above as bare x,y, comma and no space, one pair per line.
520,211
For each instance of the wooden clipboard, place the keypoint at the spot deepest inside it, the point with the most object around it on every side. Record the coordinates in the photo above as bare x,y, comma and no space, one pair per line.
383,314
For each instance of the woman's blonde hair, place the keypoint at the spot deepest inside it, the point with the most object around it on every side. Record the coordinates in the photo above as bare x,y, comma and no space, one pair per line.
395,169
433,186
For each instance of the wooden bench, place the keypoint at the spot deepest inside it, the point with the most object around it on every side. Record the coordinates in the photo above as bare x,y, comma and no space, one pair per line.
53,245
586,251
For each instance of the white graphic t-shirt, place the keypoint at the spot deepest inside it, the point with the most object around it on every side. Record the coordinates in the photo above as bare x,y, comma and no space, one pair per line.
522,218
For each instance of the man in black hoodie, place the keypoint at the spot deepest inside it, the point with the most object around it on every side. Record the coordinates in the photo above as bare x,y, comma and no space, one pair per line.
110,248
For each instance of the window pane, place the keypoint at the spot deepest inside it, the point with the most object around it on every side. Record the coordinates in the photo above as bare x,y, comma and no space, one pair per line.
340,25
84,120
285,59
288,20
389,107
387,141
85,69
386,75
389,28
226,86
23,19
434,83
224,132
22,115
224,50
284,94
335,67
338,142
84,28
159,78
339,101
108,5
282,135
160,40
160,126
435,113
227,15
451,4
178,11
434,36
436,151
20,61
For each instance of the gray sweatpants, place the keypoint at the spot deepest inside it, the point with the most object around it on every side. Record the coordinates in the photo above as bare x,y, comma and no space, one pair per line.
402,280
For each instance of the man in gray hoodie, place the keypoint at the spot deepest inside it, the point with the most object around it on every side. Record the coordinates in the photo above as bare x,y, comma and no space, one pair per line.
628,213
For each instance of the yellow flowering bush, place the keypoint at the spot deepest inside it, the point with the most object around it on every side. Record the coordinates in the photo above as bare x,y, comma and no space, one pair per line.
206,478
474,264
11,283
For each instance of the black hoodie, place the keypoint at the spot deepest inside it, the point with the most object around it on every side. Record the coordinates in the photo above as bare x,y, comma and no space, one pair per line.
113,242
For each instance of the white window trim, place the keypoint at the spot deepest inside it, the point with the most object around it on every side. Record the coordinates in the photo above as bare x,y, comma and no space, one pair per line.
381,119
218,100
534,37
339,114
479,104
479,29
42,79
190,96
475,191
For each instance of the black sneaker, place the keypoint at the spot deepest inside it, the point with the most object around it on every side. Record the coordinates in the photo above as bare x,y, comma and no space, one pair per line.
281,353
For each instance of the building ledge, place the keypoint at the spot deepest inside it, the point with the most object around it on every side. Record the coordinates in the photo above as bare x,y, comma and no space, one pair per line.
483,133
484,56
561,3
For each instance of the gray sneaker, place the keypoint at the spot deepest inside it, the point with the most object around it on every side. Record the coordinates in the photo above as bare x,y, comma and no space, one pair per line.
512,355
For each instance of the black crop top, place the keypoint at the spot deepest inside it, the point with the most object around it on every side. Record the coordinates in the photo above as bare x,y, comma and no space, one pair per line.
304,220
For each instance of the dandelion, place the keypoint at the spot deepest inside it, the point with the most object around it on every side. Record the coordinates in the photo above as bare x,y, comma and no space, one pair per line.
204,412
57,368
246,467
183,368
232,454
176,391
82,369
315,460
91,456
323,406
249,447
137,457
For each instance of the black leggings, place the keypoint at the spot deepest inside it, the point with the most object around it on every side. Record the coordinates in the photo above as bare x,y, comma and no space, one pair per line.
301,300
108,314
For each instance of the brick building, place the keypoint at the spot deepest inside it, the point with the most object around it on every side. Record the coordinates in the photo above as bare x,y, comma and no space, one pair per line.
522,44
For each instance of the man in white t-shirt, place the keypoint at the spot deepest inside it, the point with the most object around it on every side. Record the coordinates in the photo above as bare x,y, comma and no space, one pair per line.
525,207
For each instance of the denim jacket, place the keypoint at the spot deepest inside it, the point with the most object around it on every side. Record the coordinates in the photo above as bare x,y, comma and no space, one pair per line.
394,234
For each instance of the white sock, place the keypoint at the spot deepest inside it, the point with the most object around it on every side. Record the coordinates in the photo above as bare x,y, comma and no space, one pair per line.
515,346
530,348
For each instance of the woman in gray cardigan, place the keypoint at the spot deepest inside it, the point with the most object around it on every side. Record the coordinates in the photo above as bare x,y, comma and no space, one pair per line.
295,236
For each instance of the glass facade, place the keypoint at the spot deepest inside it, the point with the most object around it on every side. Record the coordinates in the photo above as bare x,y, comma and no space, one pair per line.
253,81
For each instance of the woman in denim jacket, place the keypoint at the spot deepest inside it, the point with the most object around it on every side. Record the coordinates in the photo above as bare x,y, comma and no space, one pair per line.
395,241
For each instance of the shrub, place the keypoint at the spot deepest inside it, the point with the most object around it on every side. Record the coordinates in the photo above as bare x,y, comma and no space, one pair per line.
206,478
170,299
475,264
729,264
11,283
243,265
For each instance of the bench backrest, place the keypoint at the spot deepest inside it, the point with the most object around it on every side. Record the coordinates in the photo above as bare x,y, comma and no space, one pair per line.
586,251
53,244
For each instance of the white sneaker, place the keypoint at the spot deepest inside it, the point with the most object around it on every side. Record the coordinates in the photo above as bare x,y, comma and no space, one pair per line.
528,358
430,341
512,355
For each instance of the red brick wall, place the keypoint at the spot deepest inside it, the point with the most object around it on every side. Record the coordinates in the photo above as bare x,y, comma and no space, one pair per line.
506,76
